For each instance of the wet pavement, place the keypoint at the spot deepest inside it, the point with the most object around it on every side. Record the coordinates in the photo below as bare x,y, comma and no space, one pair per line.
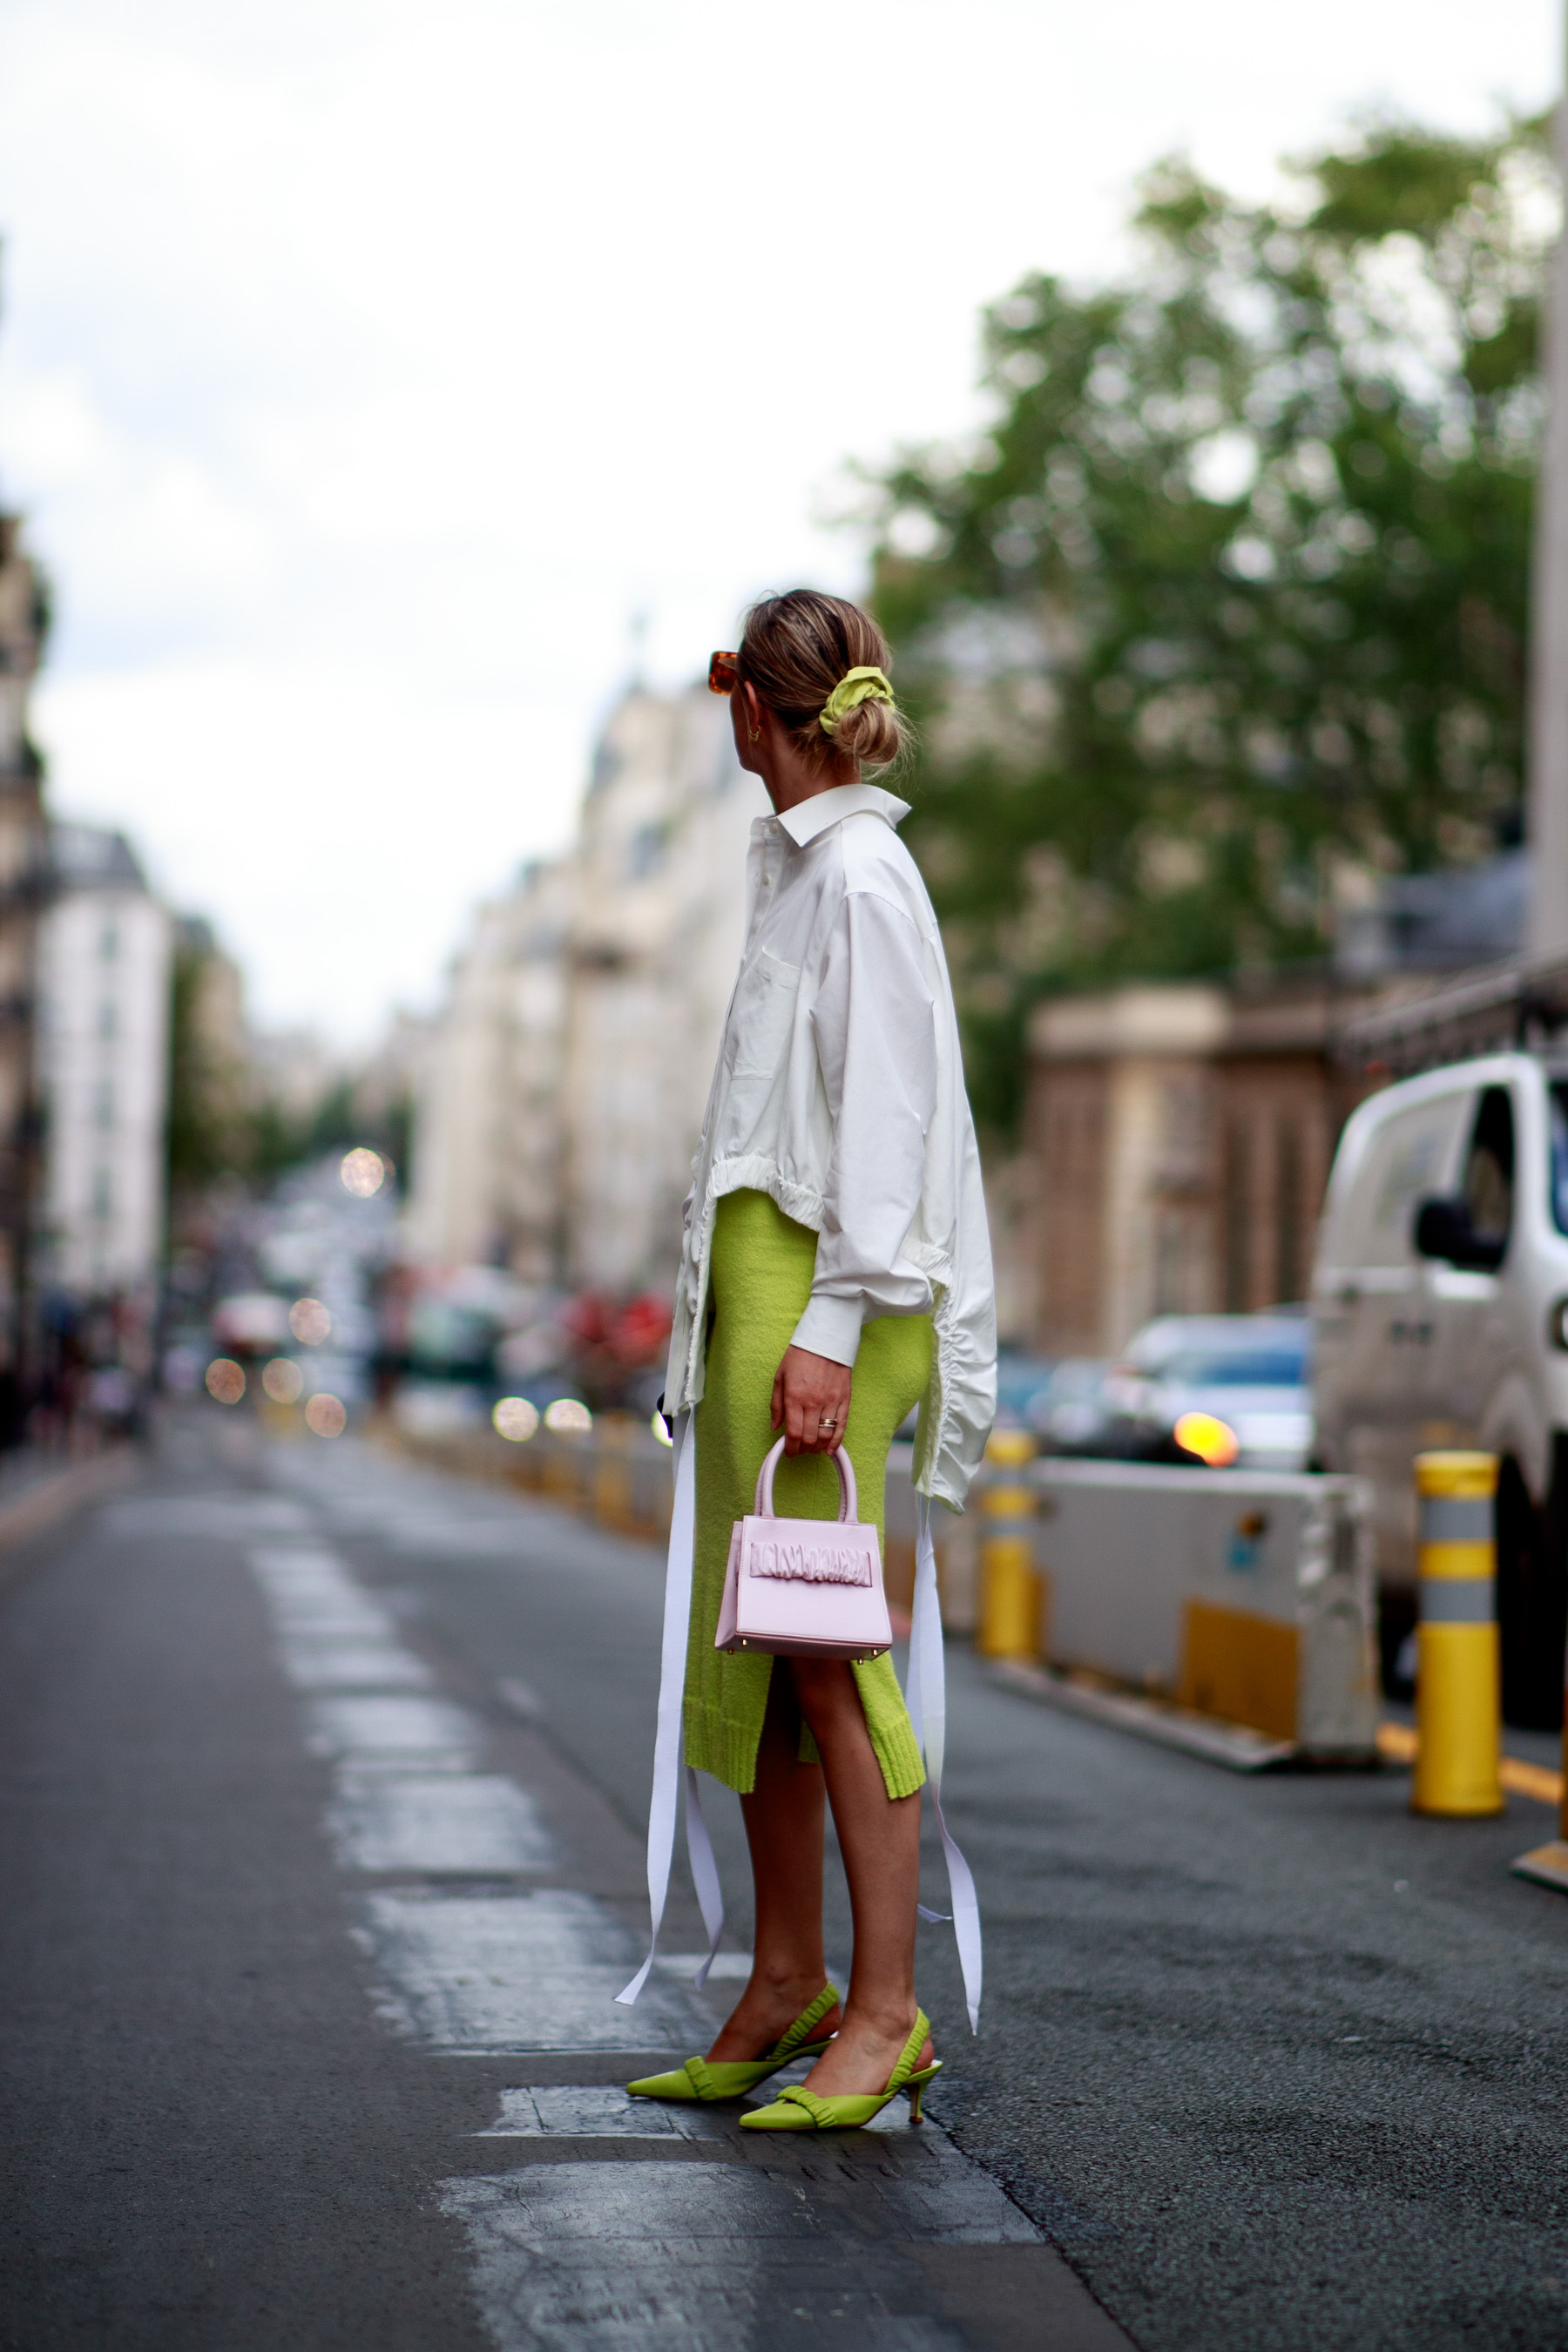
321,1784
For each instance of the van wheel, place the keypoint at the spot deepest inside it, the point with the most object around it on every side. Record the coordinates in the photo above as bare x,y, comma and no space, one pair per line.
1531,1598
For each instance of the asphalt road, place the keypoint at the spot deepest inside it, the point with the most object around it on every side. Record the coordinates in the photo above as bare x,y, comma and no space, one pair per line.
322,1786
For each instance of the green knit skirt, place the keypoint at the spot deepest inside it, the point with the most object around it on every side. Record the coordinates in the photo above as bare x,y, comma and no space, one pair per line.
761,1269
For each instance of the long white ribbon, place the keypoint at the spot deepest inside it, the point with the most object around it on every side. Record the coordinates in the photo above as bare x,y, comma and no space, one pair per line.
666,1740
927,1699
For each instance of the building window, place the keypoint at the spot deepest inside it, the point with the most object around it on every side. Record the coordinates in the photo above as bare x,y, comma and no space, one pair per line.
108,943
1289,1270
103,1105
1172,1254
106,1019
1237,1223
102,1199
645,854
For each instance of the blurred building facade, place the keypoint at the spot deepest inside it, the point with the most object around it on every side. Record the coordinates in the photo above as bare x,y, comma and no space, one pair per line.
486,1177
24,880
104,970
1178,1137
565,1081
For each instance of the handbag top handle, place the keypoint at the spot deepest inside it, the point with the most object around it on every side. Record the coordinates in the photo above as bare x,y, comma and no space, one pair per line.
849,1500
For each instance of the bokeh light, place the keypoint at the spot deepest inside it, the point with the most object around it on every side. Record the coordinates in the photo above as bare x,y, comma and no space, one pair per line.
309,1322
1211,1440
324,1415
363,1173
225,1381
567,1418
283,1381
515,1418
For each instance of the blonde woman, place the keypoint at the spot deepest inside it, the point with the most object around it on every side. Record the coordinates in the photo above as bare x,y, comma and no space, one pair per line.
837,1274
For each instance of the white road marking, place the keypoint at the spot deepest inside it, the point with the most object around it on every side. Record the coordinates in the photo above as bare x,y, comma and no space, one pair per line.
599,2111
541,1971
373,1730
356,1666
736,1966
665,2257
459,1823
466,1539
222,1519
311,1567
313,1594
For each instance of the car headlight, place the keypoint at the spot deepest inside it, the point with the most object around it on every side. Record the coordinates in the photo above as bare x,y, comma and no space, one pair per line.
1211,1440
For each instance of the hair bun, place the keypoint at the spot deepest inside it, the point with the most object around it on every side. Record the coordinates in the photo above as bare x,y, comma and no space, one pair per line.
868,733
796,650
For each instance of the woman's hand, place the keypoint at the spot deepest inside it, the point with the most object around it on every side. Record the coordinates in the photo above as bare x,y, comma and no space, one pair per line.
811,1401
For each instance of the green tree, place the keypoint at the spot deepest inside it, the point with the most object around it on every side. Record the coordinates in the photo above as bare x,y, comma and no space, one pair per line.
208,1128
1227,608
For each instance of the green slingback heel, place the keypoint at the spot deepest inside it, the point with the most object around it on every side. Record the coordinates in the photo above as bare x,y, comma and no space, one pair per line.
803,2110
704,2078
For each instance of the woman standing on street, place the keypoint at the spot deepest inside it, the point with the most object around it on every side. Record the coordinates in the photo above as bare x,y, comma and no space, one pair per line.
836,1273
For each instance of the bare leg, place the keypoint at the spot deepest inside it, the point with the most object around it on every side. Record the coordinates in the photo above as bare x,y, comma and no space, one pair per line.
784,1816
879,1838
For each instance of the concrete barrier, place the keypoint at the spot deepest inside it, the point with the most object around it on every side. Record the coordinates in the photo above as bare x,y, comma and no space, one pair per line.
1241,1598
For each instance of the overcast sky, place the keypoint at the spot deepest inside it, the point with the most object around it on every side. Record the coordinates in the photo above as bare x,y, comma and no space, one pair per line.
366,364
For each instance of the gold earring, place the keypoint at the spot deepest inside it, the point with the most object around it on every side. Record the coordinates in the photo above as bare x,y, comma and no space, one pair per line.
753,734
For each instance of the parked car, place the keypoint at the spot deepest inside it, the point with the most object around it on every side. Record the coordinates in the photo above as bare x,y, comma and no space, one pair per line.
1230,1391
1073,1413
1022,1384
1440,1311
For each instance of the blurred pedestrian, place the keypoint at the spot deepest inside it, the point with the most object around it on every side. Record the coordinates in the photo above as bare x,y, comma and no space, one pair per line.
836,1273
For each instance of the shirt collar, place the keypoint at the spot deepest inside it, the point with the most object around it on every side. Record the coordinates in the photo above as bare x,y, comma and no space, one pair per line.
809,818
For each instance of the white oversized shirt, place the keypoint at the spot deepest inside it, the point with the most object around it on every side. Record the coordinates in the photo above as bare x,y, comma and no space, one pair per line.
840,1092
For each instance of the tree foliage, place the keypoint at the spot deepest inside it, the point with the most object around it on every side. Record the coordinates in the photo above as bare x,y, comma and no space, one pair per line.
224,1119
1226,610
208,1132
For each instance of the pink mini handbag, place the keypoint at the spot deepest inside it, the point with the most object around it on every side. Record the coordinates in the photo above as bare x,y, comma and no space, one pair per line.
804,1588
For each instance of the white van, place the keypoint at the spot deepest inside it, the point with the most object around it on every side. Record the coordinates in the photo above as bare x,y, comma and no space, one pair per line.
1440,1317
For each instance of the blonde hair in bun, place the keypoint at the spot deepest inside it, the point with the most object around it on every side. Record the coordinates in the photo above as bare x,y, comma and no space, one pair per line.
796,650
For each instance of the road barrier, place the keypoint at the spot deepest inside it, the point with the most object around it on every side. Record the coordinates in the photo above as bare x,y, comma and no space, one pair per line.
617,1472
1458,1708
1242,1598
1230,1597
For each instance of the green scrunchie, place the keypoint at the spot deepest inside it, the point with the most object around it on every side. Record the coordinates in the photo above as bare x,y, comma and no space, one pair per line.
856,685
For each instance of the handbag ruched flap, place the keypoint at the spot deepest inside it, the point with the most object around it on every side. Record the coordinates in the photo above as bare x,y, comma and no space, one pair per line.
804,1588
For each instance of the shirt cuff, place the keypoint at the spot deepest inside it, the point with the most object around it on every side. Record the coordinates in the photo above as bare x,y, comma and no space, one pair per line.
831,1327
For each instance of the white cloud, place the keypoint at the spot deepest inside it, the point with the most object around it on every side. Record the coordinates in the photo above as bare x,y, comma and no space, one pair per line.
365,366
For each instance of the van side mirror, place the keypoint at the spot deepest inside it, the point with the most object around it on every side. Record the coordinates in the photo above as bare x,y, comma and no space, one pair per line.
1443,1230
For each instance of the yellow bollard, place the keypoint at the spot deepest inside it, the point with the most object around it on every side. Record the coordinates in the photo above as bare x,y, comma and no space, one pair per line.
1458,1693
1009,1587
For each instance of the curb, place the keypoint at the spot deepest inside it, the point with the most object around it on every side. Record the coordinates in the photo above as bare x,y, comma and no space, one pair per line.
63,1491
1232,1744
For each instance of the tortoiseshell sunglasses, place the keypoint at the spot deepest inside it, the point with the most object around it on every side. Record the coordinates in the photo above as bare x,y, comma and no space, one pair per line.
722,673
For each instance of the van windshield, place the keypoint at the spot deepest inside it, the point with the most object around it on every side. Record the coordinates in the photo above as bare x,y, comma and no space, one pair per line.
1237,1368
1559,1095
